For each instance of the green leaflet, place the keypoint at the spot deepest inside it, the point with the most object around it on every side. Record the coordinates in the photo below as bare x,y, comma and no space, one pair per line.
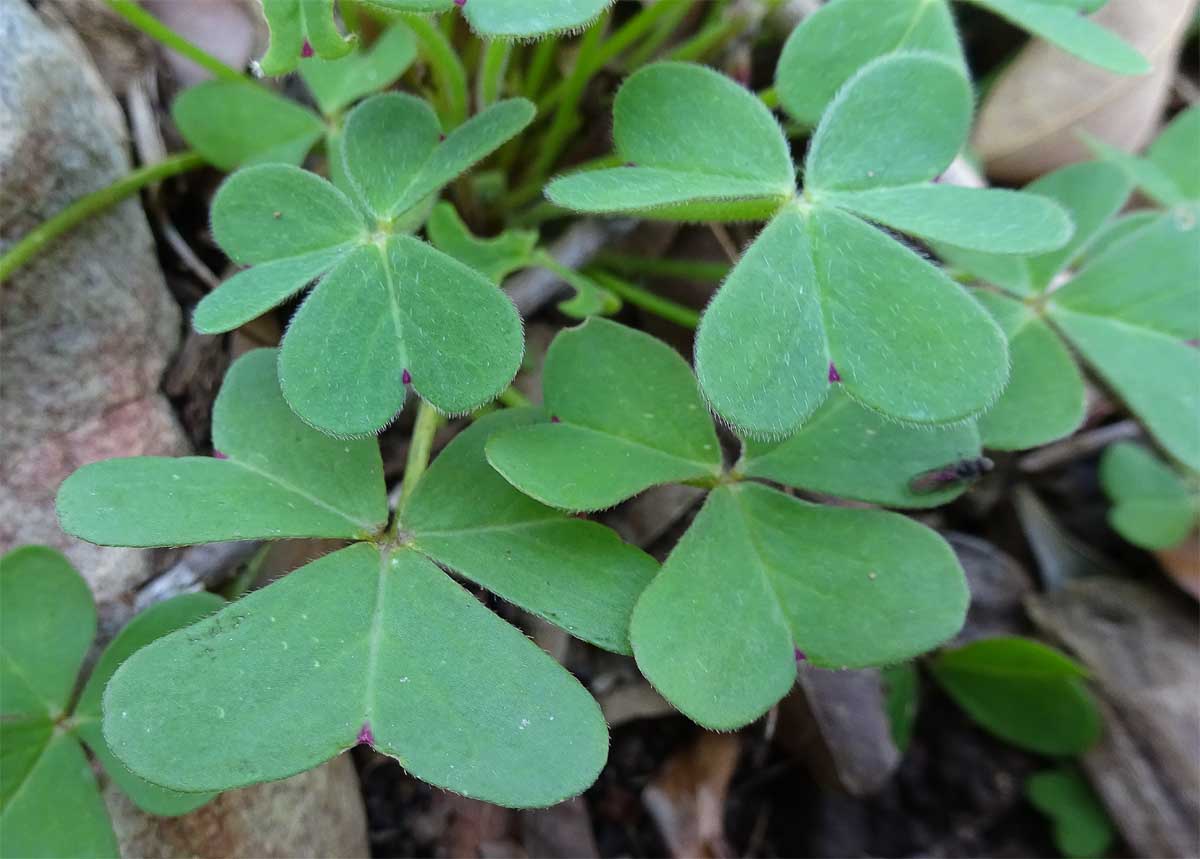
1024,692
336,84
838,39
574,573
392,649
215,118
733,165
274,212
901,119
992,219
1143,172
1081,826
1045,398
1152,506
387,140
760,574
279,478
852,452
494,258
1174,153
49,621
1061,24
294,23
820,276
32,817
629,416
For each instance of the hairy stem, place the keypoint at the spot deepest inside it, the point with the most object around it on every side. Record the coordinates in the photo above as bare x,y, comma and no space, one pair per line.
492,69
448,71
419,449
40,236
647,300
160,32
705,272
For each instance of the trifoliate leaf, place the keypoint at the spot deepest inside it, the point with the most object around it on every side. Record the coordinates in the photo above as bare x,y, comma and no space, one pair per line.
296,23
1152,506
1045,398
626,415
47,622
1024,692
398,655
760,575
993,220
277,478
336,84
696,146
1061,24
834,42
1081,827
234,124
853,452
899,120
574,573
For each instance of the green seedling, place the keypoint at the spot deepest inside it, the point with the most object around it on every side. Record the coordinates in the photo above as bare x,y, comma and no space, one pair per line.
389,312
47,623
1082,829
838,39
1153,506
239,123
1123,295
761,578
822,292
371,644
1023,692
306,28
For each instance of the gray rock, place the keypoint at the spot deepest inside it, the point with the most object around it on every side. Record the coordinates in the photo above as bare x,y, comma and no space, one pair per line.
89,325
1140,643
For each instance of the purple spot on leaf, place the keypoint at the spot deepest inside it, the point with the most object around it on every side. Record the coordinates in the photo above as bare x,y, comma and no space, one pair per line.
460,3
406,377
630,164
218,455
365,736
554,419
834,376
441,138
307,50
800,657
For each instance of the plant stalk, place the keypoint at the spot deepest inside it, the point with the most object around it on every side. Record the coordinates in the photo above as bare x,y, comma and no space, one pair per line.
492,69
419,449
448,71
40,236
647,300
160,32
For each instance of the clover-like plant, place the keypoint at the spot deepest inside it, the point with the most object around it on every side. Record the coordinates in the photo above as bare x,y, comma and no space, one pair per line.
761,578
373,643
47,622
822,296
1153,506
299,27
1081,827
390,311
240,123
830,45
1123,295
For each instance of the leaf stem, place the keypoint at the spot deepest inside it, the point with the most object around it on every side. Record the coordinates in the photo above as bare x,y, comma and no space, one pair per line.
448,71
705,272
40,236
647,300
513,398
708,39
160,32
419,449
492,68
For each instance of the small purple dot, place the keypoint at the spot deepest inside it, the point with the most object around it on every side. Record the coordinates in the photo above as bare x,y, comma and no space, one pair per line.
365,736
460,3
406,377
307,50
554,419
800,657
218,455
630,164
441,138
834,376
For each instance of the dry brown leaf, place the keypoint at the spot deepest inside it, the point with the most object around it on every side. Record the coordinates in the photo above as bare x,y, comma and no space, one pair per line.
1182,563
687,799
1032,117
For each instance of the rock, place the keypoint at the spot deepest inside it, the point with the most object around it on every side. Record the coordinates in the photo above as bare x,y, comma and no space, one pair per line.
1138,640
317,813
998,587
836,723
88,325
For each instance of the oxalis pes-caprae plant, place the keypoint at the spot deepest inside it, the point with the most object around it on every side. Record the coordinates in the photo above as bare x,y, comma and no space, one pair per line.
848,364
